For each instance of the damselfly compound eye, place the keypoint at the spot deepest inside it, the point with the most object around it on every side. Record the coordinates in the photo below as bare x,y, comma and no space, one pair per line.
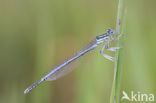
110,31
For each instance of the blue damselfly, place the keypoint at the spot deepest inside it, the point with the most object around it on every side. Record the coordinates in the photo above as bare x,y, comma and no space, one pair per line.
68,65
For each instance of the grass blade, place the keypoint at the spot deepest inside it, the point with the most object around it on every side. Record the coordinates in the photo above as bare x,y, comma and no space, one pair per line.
120,30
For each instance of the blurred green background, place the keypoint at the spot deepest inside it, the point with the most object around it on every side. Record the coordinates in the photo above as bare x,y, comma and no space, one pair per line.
35,35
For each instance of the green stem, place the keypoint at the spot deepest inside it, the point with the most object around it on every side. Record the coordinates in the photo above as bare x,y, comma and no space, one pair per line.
115,93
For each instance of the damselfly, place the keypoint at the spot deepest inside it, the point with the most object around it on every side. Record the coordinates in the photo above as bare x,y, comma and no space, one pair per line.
68,65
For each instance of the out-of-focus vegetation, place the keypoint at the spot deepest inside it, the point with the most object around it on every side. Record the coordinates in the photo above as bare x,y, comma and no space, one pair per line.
36,35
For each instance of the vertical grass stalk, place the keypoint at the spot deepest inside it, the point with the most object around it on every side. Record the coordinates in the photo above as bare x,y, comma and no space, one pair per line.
120,31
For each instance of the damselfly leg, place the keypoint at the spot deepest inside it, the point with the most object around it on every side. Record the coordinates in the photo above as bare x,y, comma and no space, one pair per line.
106,46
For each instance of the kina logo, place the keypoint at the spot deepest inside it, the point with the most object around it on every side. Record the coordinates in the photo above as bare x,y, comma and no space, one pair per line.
137,96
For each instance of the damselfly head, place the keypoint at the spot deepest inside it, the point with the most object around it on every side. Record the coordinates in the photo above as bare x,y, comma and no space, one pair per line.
110,31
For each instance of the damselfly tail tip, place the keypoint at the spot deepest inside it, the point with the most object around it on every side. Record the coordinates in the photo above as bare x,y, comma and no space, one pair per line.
26,91
33,86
